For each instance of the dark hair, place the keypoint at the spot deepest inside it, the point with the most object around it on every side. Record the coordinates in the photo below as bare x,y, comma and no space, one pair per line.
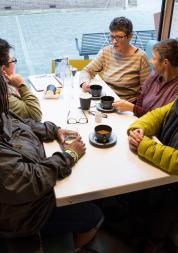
4,52
121,24
167,49
4,102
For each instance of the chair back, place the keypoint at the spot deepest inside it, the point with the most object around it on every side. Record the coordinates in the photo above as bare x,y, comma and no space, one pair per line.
76,63
79,63
149,47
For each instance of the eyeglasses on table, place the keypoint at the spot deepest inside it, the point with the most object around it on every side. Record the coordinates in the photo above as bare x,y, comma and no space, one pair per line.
72,120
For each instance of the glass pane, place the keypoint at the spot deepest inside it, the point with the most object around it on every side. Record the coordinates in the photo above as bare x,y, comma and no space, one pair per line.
174,24
44,30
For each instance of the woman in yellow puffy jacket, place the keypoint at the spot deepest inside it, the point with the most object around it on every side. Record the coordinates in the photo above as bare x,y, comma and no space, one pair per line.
162,123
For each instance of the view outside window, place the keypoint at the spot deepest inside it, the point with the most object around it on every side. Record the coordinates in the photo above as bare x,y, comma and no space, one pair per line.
44,30
174,24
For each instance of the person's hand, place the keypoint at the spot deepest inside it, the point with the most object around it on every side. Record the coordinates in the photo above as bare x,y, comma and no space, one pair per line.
14,79
77,145
86,87
123,105
62,135
135,138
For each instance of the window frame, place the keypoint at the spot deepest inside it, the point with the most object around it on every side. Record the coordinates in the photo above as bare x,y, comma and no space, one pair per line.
166,19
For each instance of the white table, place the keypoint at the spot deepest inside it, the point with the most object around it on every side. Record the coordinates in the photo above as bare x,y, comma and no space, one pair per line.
100,172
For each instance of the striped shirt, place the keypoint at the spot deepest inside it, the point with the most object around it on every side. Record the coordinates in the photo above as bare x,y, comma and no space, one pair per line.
124,75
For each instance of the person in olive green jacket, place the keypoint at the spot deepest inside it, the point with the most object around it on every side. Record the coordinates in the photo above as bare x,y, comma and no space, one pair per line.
162,123
21,99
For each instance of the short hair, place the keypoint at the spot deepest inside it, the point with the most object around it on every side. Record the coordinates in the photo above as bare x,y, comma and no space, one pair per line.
121,24
167,49
4,102
4,52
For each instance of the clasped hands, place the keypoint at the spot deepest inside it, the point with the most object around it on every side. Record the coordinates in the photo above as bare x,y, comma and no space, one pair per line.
77,145
135,137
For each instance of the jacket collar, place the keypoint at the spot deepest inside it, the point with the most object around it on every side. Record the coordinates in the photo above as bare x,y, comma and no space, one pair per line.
169,132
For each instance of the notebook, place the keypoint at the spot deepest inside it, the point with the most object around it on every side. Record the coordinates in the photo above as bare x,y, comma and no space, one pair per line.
40,82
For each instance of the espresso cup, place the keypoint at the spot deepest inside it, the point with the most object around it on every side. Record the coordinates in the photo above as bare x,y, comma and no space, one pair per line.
95,90
51,89
106,102
103,133
85,100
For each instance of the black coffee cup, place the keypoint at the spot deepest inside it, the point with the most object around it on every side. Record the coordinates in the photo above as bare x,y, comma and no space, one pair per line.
103,133
95,90
85,101
106,102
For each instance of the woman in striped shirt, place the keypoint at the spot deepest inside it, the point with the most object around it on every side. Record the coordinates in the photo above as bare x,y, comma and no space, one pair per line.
121,65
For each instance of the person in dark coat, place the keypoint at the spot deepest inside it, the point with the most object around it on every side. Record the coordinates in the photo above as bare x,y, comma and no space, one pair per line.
28,177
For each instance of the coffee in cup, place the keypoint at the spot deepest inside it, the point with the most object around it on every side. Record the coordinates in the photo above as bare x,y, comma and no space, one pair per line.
106,102
95,90
103,133
85,100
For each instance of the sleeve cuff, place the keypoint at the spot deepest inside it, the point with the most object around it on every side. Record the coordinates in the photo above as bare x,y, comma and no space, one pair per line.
146,142
72,162
73,154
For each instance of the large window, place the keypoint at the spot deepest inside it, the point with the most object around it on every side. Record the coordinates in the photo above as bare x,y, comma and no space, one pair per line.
47,30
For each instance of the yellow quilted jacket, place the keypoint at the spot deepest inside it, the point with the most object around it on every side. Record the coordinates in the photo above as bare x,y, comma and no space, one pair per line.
164,157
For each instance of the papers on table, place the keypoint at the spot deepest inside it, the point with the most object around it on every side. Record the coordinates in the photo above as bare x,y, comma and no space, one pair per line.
40,82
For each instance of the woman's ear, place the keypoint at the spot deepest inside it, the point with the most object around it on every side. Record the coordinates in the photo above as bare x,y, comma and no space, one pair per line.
166,61
6,69
129,36
3,68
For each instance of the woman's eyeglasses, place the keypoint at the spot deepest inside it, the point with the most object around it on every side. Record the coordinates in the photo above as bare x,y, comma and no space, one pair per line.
117,37
82,120
13,60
